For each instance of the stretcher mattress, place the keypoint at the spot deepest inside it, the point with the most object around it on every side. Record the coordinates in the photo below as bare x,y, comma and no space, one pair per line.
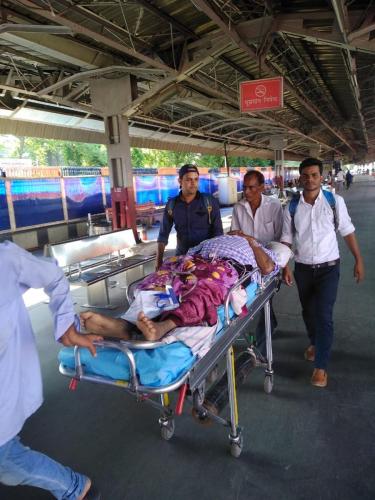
155,367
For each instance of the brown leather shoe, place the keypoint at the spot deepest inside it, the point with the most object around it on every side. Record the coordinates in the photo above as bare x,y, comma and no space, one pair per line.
309,354
319,377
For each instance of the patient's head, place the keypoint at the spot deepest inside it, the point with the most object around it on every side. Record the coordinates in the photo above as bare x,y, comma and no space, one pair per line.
232,247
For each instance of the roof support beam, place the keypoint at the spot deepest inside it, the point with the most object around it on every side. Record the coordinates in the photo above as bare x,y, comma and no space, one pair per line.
102,21
343,22
295,26
79,29
204,104
213,49
235,37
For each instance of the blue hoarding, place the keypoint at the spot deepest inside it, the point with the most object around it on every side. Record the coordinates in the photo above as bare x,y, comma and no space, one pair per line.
4,217
36,201
147,189
83,196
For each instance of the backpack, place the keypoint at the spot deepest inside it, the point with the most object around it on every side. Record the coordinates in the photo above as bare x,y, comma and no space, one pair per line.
328,196
206,200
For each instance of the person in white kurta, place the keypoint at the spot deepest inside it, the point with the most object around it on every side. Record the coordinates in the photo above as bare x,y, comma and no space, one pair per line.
20,374
261,217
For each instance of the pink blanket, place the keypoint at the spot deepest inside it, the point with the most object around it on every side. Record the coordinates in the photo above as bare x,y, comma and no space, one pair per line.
200,284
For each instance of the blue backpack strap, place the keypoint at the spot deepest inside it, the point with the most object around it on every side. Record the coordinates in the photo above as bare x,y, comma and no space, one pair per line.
292,209
332,203
328,196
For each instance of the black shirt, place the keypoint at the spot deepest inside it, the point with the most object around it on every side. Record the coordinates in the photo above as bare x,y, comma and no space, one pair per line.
192,222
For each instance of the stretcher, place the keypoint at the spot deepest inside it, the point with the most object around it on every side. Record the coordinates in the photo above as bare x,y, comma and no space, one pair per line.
190,378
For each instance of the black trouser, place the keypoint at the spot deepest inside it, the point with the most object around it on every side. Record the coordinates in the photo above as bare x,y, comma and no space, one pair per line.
317,290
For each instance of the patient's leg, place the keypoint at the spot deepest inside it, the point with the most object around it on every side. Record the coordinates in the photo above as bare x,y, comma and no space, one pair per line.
153,330
105,326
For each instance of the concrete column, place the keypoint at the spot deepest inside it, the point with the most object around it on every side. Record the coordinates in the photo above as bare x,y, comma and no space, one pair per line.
8,192
278,144
63,198
279,165
109,97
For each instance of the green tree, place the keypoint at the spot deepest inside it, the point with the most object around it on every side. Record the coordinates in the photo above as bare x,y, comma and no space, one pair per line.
211,161
137,157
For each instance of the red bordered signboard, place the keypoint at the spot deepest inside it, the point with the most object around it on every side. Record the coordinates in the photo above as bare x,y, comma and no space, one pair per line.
261,95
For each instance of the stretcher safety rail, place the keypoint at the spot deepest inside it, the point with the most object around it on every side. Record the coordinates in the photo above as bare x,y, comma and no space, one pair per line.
195,376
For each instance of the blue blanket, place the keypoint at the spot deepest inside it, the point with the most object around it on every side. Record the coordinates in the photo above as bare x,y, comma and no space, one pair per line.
155,367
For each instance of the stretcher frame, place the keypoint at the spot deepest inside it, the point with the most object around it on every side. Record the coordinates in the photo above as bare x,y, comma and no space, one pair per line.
195,377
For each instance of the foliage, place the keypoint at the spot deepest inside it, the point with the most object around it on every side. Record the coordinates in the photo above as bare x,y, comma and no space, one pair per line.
44,152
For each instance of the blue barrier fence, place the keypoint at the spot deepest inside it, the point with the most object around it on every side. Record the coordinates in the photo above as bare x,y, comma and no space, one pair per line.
39,201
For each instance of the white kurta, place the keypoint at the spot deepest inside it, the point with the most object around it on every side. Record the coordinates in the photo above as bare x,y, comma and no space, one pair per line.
267,223
20,375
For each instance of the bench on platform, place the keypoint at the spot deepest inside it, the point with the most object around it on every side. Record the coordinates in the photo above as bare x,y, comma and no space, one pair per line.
145,213
93,259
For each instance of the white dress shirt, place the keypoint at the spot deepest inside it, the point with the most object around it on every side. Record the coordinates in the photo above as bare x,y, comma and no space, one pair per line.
267,223
315,237
340,176
20,376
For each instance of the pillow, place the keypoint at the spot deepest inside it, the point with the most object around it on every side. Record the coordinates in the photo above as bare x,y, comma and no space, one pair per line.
282,252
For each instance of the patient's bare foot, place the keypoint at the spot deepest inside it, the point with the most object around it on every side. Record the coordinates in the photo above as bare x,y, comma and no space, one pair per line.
105,326
154,330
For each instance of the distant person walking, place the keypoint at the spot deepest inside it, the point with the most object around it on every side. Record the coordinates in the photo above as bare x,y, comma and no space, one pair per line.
349,179
340,181
312,228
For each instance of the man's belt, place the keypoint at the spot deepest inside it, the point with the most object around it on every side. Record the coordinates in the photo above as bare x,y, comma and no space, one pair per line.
330,263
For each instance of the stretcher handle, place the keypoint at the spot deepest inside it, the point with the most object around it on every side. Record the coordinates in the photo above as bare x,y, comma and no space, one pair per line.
142,344
115,345
246,276
181,399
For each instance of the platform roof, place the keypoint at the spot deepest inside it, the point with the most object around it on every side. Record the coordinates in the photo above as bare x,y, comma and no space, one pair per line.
187,58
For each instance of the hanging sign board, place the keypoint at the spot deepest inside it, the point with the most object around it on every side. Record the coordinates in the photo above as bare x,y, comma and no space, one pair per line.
261,95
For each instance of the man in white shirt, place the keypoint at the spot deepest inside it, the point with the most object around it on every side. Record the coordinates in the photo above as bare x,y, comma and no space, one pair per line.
21,384
339,181
261,217
317,262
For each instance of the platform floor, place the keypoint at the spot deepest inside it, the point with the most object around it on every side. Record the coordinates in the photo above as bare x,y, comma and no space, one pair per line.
300,442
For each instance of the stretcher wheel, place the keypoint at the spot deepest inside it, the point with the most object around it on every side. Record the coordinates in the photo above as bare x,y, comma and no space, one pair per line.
167,431
236,447
268,384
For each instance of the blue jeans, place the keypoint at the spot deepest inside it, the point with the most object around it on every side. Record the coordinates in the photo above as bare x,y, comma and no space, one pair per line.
260,332
317,289
19,465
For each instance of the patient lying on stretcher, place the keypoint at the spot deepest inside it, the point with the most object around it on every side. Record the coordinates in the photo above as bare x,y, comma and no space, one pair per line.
201,280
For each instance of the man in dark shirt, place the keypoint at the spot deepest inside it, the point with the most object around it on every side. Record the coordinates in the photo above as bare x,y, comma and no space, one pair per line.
196,216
